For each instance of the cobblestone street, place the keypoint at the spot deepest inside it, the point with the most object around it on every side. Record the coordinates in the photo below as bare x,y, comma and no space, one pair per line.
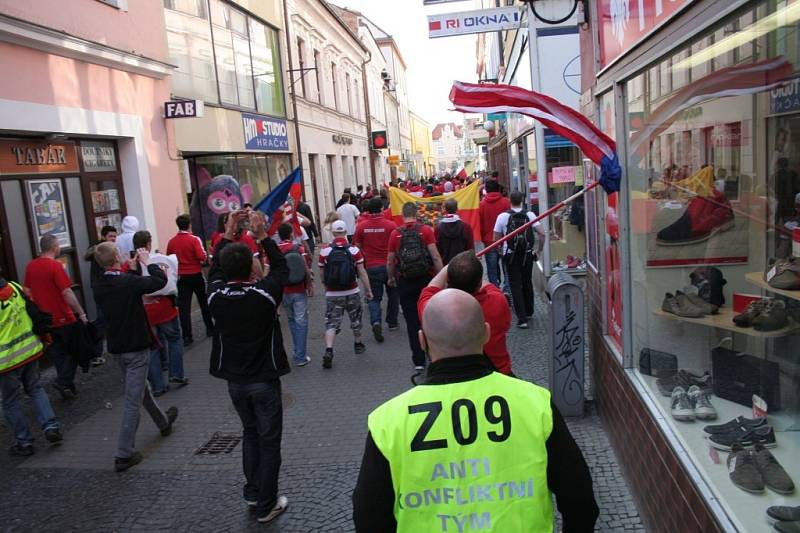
72,486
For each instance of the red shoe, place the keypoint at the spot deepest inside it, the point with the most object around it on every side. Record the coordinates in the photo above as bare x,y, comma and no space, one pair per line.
704,217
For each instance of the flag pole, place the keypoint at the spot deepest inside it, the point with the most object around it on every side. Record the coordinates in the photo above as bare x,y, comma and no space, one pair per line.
544,215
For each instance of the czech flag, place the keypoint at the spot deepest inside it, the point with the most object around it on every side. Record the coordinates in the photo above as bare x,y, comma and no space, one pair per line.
431,210
499,98
279,205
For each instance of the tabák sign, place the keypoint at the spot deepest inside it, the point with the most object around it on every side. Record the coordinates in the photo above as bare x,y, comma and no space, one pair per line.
34,157
478,21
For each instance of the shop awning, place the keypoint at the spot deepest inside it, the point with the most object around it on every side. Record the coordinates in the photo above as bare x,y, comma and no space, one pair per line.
556,141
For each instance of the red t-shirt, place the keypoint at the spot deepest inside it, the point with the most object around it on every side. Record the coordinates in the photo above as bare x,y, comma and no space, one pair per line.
47,279
245,238
286,247
159,309
189,250
428,237
357,256
372,237
492,205
496,313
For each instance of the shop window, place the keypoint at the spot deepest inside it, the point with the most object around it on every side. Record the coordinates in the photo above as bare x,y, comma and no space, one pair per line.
301,60
714,202
266,69
190,49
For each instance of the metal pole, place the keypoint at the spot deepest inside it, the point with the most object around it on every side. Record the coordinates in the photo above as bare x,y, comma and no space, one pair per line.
365,88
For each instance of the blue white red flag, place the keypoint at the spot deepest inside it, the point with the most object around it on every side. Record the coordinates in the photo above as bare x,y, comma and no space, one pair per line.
499,98
279,205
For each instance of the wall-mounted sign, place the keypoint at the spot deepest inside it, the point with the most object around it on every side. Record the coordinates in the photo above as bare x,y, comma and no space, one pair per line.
48,210
26,157
785,98
478,21
562,175
341,139
624,23
184,108
394,160
98,156
265,133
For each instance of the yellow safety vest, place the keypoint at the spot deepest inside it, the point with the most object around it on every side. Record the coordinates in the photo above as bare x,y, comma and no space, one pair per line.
18,343
468,456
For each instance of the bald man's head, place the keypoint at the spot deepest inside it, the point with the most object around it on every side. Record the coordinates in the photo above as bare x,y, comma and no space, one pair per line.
453,325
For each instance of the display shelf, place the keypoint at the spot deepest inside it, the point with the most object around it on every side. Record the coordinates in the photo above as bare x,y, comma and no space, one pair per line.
724,320
746,509
757,278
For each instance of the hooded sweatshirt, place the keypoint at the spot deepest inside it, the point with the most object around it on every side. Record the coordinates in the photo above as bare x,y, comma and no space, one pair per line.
130,225
492,205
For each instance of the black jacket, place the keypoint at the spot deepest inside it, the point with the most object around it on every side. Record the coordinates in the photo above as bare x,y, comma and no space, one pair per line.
568,477
247,346
119,296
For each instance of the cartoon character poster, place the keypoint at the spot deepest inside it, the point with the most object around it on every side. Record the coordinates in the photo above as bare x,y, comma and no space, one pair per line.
215,196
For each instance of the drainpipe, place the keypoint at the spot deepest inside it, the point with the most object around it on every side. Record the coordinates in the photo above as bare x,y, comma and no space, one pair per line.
294,112
364,87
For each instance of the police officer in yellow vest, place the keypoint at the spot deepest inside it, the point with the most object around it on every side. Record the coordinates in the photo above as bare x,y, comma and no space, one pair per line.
20,348
471,449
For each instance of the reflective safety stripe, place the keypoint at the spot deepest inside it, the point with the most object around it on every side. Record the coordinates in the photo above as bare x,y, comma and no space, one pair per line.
34,346
18,343
11,343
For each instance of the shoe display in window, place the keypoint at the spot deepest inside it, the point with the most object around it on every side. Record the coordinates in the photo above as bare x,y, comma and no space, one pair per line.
753,309
772,317
704,306
783,513
744,437
743,471
680,406
674,306
685,379
731,425
687,303
784,274
701,403
709,282
704,217
775,477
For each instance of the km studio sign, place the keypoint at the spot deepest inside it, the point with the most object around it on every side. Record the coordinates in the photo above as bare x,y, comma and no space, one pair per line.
479,21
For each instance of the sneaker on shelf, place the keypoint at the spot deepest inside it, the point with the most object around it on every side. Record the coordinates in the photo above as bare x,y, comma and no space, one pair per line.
280,506
21,451
122,464
680,406
172,414
304,362
775,477
787,527
359,348
327,359
745,437
784,274
743,471
573,262
704,217
731,425
685,379
687,303
673,306
783,513
704,306
753,309
703,410
773,317
377,331
53,435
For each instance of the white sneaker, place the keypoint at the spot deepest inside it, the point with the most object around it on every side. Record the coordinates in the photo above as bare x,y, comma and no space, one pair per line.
305,362
703,410
680,406
280,506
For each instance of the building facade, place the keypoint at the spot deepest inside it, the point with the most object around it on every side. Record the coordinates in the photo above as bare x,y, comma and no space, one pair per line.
421,148
448,147
330,102
701,99
230,55
82,138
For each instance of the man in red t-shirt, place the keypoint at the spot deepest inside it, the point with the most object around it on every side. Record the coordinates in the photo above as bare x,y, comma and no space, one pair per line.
191,256
295,296
162,315
412,261
372,237
337,262
49,286
492,205
464,272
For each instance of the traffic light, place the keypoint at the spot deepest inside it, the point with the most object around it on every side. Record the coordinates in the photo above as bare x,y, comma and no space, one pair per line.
379,141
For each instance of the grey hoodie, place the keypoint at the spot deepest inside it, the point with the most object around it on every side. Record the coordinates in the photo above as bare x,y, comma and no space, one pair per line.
130,225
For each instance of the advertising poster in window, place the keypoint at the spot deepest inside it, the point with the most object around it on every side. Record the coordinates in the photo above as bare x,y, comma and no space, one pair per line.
48,211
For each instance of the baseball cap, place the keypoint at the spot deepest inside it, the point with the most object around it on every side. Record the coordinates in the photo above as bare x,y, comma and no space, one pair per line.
339,226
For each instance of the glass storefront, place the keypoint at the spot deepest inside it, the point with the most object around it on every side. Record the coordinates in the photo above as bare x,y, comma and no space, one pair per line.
713,170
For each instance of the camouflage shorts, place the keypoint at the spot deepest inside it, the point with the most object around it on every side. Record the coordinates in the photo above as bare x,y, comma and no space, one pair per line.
335,307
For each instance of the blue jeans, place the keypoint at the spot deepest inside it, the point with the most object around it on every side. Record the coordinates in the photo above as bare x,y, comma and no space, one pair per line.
260,408
296,307
378,279
11,385
493,267
169,335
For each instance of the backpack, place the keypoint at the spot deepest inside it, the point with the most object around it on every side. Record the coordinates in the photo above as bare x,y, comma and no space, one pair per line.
413,256
524,241
450,240
296,264
340,269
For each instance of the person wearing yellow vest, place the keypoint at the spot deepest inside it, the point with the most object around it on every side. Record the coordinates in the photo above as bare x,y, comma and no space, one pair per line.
20,349
470,449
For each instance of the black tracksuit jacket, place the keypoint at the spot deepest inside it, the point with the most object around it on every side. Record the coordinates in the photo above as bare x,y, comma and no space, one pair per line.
568,477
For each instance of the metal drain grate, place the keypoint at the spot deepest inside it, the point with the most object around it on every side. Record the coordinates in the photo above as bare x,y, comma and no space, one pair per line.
219,443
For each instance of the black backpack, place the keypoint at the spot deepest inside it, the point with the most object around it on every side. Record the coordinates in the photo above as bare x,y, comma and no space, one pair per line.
340,269
524,241
451,240
296,264
413,256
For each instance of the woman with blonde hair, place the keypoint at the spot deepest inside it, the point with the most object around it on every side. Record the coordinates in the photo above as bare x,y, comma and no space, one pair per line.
327,234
